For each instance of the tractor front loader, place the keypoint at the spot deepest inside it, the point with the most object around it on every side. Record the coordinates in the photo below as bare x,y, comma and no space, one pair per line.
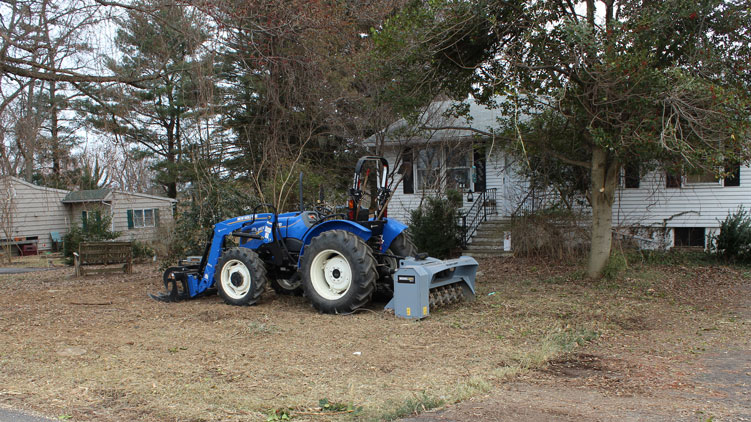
339,261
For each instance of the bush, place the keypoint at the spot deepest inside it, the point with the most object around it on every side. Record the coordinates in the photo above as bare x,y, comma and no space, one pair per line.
433,226
734,241
96,228
550,234
141,250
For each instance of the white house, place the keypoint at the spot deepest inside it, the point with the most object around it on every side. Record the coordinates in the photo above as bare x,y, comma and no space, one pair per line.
661,210
35,215
440,152
445,153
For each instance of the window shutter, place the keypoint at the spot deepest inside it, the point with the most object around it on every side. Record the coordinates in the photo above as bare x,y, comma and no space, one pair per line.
84,220
408,185
632,176
156,217
734,175
130,219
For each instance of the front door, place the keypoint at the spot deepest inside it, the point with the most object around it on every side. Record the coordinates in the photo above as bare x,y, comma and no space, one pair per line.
479,168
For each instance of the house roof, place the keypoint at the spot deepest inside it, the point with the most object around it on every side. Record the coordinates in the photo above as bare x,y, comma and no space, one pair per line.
92,195
439,123
31,185
146,195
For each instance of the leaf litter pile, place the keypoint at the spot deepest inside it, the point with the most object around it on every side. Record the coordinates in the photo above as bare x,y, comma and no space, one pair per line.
97,348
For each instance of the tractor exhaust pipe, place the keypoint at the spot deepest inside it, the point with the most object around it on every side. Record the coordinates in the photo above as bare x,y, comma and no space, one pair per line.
302,203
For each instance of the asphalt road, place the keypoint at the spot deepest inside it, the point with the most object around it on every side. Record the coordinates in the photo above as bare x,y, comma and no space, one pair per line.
22,270
14,416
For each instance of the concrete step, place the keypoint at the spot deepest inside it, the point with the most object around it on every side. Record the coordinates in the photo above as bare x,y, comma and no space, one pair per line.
490,247
486,241
485,232
478,254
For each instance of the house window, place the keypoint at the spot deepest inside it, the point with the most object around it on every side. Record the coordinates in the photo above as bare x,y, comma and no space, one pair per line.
631,176
703,178
436,168
688,236
672,179
148,217
428,162
458,167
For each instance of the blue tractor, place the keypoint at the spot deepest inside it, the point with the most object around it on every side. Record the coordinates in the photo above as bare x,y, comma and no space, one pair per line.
338,260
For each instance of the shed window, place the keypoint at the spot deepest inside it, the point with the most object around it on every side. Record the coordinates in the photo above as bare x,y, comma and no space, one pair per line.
140,218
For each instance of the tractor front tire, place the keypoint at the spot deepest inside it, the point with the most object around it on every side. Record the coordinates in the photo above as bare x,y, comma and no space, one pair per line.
339,272
240,276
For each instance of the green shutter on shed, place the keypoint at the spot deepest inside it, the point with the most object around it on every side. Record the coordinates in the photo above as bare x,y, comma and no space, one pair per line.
130,219
156,217
84,220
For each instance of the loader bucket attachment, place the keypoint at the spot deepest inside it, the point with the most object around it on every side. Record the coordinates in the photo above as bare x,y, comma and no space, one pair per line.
420,285
176,283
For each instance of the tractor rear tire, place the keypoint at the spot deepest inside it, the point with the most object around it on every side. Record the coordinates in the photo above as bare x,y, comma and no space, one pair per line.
339,272
402,245
288,286
240,276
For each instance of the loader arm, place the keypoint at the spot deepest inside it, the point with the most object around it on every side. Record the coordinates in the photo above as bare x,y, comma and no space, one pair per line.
248,227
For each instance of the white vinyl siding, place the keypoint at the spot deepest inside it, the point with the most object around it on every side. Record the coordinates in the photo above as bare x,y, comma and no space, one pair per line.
700,205
497,172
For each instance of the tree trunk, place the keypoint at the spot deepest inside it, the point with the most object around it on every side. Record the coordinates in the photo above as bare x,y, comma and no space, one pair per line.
603,179
54,131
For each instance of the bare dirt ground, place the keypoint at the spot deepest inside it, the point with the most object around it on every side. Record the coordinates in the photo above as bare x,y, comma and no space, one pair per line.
659,343
640,376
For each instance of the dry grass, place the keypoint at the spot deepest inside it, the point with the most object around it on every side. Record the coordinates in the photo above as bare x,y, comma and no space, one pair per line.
43,260
97,348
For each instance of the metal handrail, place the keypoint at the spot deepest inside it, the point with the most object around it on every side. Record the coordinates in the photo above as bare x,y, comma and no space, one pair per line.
484,205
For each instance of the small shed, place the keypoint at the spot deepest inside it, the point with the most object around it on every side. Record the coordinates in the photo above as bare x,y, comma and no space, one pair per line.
31,214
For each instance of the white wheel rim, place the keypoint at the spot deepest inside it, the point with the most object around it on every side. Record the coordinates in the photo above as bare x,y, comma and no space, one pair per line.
235,269
330,274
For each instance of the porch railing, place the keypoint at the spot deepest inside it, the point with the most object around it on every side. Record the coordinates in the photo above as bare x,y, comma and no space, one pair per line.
485,204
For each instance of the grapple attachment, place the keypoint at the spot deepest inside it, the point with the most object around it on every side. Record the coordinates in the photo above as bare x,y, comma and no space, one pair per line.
420,285
176,283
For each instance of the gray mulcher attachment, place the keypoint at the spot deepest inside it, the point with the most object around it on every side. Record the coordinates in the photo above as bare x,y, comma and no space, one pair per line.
420,285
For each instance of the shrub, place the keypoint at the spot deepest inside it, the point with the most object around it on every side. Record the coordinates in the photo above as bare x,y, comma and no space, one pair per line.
550,234
434,226
141,250
96,228
734,241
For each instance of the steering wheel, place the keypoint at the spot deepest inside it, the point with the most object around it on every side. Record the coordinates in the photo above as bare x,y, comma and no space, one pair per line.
323,211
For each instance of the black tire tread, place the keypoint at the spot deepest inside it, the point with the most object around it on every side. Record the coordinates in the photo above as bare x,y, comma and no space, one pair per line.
257,275
363,264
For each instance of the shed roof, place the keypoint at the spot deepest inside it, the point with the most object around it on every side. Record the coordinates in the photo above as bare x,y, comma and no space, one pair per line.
92,195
